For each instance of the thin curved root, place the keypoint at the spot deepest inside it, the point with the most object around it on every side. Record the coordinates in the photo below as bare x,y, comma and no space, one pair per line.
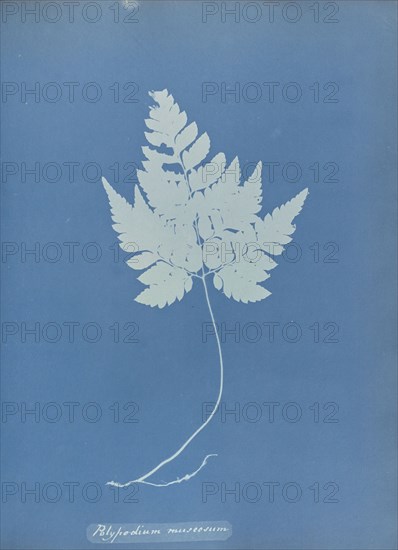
187,477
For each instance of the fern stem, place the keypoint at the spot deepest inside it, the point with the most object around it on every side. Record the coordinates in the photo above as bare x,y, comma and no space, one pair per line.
201,427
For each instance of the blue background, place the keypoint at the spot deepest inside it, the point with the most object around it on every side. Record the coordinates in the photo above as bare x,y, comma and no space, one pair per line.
170,372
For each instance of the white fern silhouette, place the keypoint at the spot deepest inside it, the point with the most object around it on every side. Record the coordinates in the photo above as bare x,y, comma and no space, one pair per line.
196,220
